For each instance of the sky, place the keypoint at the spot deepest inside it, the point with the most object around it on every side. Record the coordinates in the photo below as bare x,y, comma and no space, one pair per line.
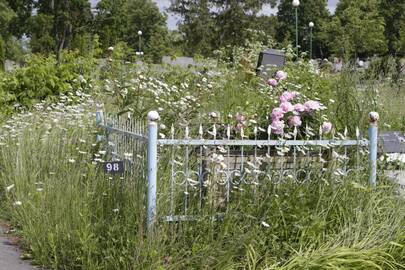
172,20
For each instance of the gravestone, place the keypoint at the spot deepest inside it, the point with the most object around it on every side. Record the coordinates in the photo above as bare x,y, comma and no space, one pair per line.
268,59
392,142
10,65
337,65
393,146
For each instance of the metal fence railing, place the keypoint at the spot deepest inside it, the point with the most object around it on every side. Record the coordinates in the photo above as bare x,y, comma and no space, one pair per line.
213,168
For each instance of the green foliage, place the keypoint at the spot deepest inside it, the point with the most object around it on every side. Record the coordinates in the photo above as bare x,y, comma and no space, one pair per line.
110,21
6,16
211,25
144,15
42,79
40,29
198,26
87,44
121,20
57,23
23,10
394,17
363,28
2,53
359,27
15,49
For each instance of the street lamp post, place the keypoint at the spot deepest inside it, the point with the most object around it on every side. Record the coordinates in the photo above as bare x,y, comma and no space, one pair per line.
295,4
140,42
311,26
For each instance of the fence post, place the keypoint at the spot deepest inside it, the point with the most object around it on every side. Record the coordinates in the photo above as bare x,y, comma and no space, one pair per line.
153,118
99,117
99,122
373,138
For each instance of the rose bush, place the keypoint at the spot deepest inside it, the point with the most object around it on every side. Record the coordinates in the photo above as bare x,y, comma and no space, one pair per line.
305,99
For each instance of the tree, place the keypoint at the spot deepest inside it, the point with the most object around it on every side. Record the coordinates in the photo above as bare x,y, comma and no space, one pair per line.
308,11
110,22
6,16
57,23
145,16
393,12
211,24
23,11
40,31
268,24
357,29
120,20
198,26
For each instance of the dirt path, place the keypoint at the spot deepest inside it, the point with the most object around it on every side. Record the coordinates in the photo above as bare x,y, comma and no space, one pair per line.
10,255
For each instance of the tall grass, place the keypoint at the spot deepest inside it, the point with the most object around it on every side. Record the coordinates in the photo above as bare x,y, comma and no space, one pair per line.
73,216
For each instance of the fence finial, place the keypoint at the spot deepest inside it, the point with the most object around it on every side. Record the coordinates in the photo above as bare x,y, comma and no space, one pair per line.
374,117
153,116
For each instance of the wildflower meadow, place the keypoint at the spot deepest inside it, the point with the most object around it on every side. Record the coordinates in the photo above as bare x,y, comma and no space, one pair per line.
70,214
202,134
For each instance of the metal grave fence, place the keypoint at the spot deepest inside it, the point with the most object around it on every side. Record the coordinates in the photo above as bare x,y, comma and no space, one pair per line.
185,176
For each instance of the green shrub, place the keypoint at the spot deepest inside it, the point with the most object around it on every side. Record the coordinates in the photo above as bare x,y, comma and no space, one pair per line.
41,78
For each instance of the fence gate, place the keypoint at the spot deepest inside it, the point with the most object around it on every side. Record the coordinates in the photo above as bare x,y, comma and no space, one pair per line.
125,140
198,171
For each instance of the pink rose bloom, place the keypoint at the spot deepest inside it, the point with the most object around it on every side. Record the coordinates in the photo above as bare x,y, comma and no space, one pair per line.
276,114
281,75
277,127
272,82
288,96
299,108
286,107
312,105
240,117
239,126
294,121
326,127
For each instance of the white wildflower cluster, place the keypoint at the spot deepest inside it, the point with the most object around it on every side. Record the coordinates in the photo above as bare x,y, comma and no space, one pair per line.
50,123
156,92
219,160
